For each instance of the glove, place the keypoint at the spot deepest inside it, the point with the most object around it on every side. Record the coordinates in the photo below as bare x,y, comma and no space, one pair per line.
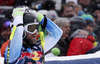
37,15
19,11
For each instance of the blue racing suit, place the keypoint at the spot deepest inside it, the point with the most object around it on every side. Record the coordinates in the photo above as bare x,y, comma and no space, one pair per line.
20,55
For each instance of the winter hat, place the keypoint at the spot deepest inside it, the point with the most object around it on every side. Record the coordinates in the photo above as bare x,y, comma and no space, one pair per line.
74,1
87,17
77,23
89,22
52,14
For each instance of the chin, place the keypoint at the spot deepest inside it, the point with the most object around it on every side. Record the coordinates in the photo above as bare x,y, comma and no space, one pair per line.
66,36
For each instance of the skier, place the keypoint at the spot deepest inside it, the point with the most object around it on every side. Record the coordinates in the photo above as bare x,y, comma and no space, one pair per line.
28,50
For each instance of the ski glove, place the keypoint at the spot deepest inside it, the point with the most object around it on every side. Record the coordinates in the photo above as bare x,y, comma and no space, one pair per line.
19,11
37,15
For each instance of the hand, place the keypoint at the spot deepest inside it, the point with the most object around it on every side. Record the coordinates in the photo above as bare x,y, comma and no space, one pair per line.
83,33
19,11
37,15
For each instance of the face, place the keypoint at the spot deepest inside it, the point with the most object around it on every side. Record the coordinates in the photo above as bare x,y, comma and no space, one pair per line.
6,33
68,12
84,2
66,29
89,28
76,9
97,13
31,37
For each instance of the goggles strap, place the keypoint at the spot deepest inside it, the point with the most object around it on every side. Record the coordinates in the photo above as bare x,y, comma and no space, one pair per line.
21,24
44,23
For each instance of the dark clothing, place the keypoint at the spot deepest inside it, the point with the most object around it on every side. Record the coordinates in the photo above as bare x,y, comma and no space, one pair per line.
63,45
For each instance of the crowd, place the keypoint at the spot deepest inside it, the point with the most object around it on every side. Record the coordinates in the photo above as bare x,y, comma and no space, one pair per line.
79,21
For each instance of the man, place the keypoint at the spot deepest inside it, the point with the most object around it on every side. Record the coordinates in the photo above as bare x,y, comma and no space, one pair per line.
4,31
90,24
67,11
28,50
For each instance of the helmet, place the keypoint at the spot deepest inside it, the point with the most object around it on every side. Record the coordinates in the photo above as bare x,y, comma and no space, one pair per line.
77,23
29,18
30,22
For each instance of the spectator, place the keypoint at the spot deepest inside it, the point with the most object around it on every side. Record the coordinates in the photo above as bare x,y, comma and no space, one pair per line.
90,24
4,31
63,43
67,11
96,14
78,42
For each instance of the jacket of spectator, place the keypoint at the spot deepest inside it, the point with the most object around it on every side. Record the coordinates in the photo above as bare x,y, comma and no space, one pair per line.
80,44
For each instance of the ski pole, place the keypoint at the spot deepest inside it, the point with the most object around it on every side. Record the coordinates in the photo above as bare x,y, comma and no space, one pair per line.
11,36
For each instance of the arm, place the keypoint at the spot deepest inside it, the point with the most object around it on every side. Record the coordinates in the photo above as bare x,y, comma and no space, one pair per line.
16,42
55,34
54,31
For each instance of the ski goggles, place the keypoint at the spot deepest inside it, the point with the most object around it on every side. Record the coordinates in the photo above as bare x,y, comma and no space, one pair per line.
31,27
